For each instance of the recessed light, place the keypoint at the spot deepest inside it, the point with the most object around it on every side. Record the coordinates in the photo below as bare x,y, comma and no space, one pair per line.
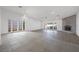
53,13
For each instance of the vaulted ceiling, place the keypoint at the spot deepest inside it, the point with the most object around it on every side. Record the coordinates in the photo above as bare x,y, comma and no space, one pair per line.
41,12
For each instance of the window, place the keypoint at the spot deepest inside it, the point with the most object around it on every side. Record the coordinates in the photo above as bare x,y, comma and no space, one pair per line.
23,25
9,25
16,25
20,25
51,26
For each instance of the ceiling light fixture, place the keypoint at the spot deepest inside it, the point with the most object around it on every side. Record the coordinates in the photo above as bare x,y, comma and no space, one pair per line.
20,6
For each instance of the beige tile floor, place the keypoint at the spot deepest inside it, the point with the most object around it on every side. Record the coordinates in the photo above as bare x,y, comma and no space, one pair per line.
40,41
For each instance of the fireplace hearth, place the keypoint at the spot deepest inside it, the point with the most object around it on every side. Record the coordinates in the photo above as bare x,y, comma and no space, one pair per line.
67,28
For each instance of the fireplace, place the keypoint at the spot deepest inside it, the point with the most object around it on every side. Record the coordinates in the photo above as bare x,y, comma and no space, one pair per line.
67,28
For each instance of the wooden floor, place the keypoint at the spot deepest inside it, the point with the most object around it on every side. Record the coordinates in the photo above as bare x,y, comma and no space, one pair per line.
40,41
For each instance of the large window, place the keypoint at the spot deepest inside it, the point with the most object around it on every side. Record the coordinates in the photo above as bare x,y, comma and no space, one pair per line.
9,25
51,26
16,25
23,25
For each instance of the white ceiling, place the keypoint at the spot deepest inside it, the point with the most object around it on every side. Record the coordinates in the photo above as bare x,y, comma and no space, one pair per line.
41,12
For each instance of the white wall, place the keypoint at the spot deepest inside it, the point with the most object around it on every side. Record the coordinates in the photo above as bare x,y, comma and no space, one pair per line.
31,24
0,21
34,24
77,24
0,26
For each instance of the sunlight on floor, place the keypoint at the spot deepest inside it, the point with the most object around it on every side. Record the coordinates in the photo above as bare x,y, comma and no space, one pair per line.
19,33
50,31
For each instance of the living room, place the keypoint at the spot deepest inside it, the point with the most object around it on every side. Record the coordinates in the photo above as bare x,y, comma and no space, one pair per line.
46,28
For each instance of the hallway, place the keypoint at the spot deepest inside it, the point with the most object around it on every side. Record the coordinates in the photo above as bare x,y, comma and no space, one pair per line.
39,41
